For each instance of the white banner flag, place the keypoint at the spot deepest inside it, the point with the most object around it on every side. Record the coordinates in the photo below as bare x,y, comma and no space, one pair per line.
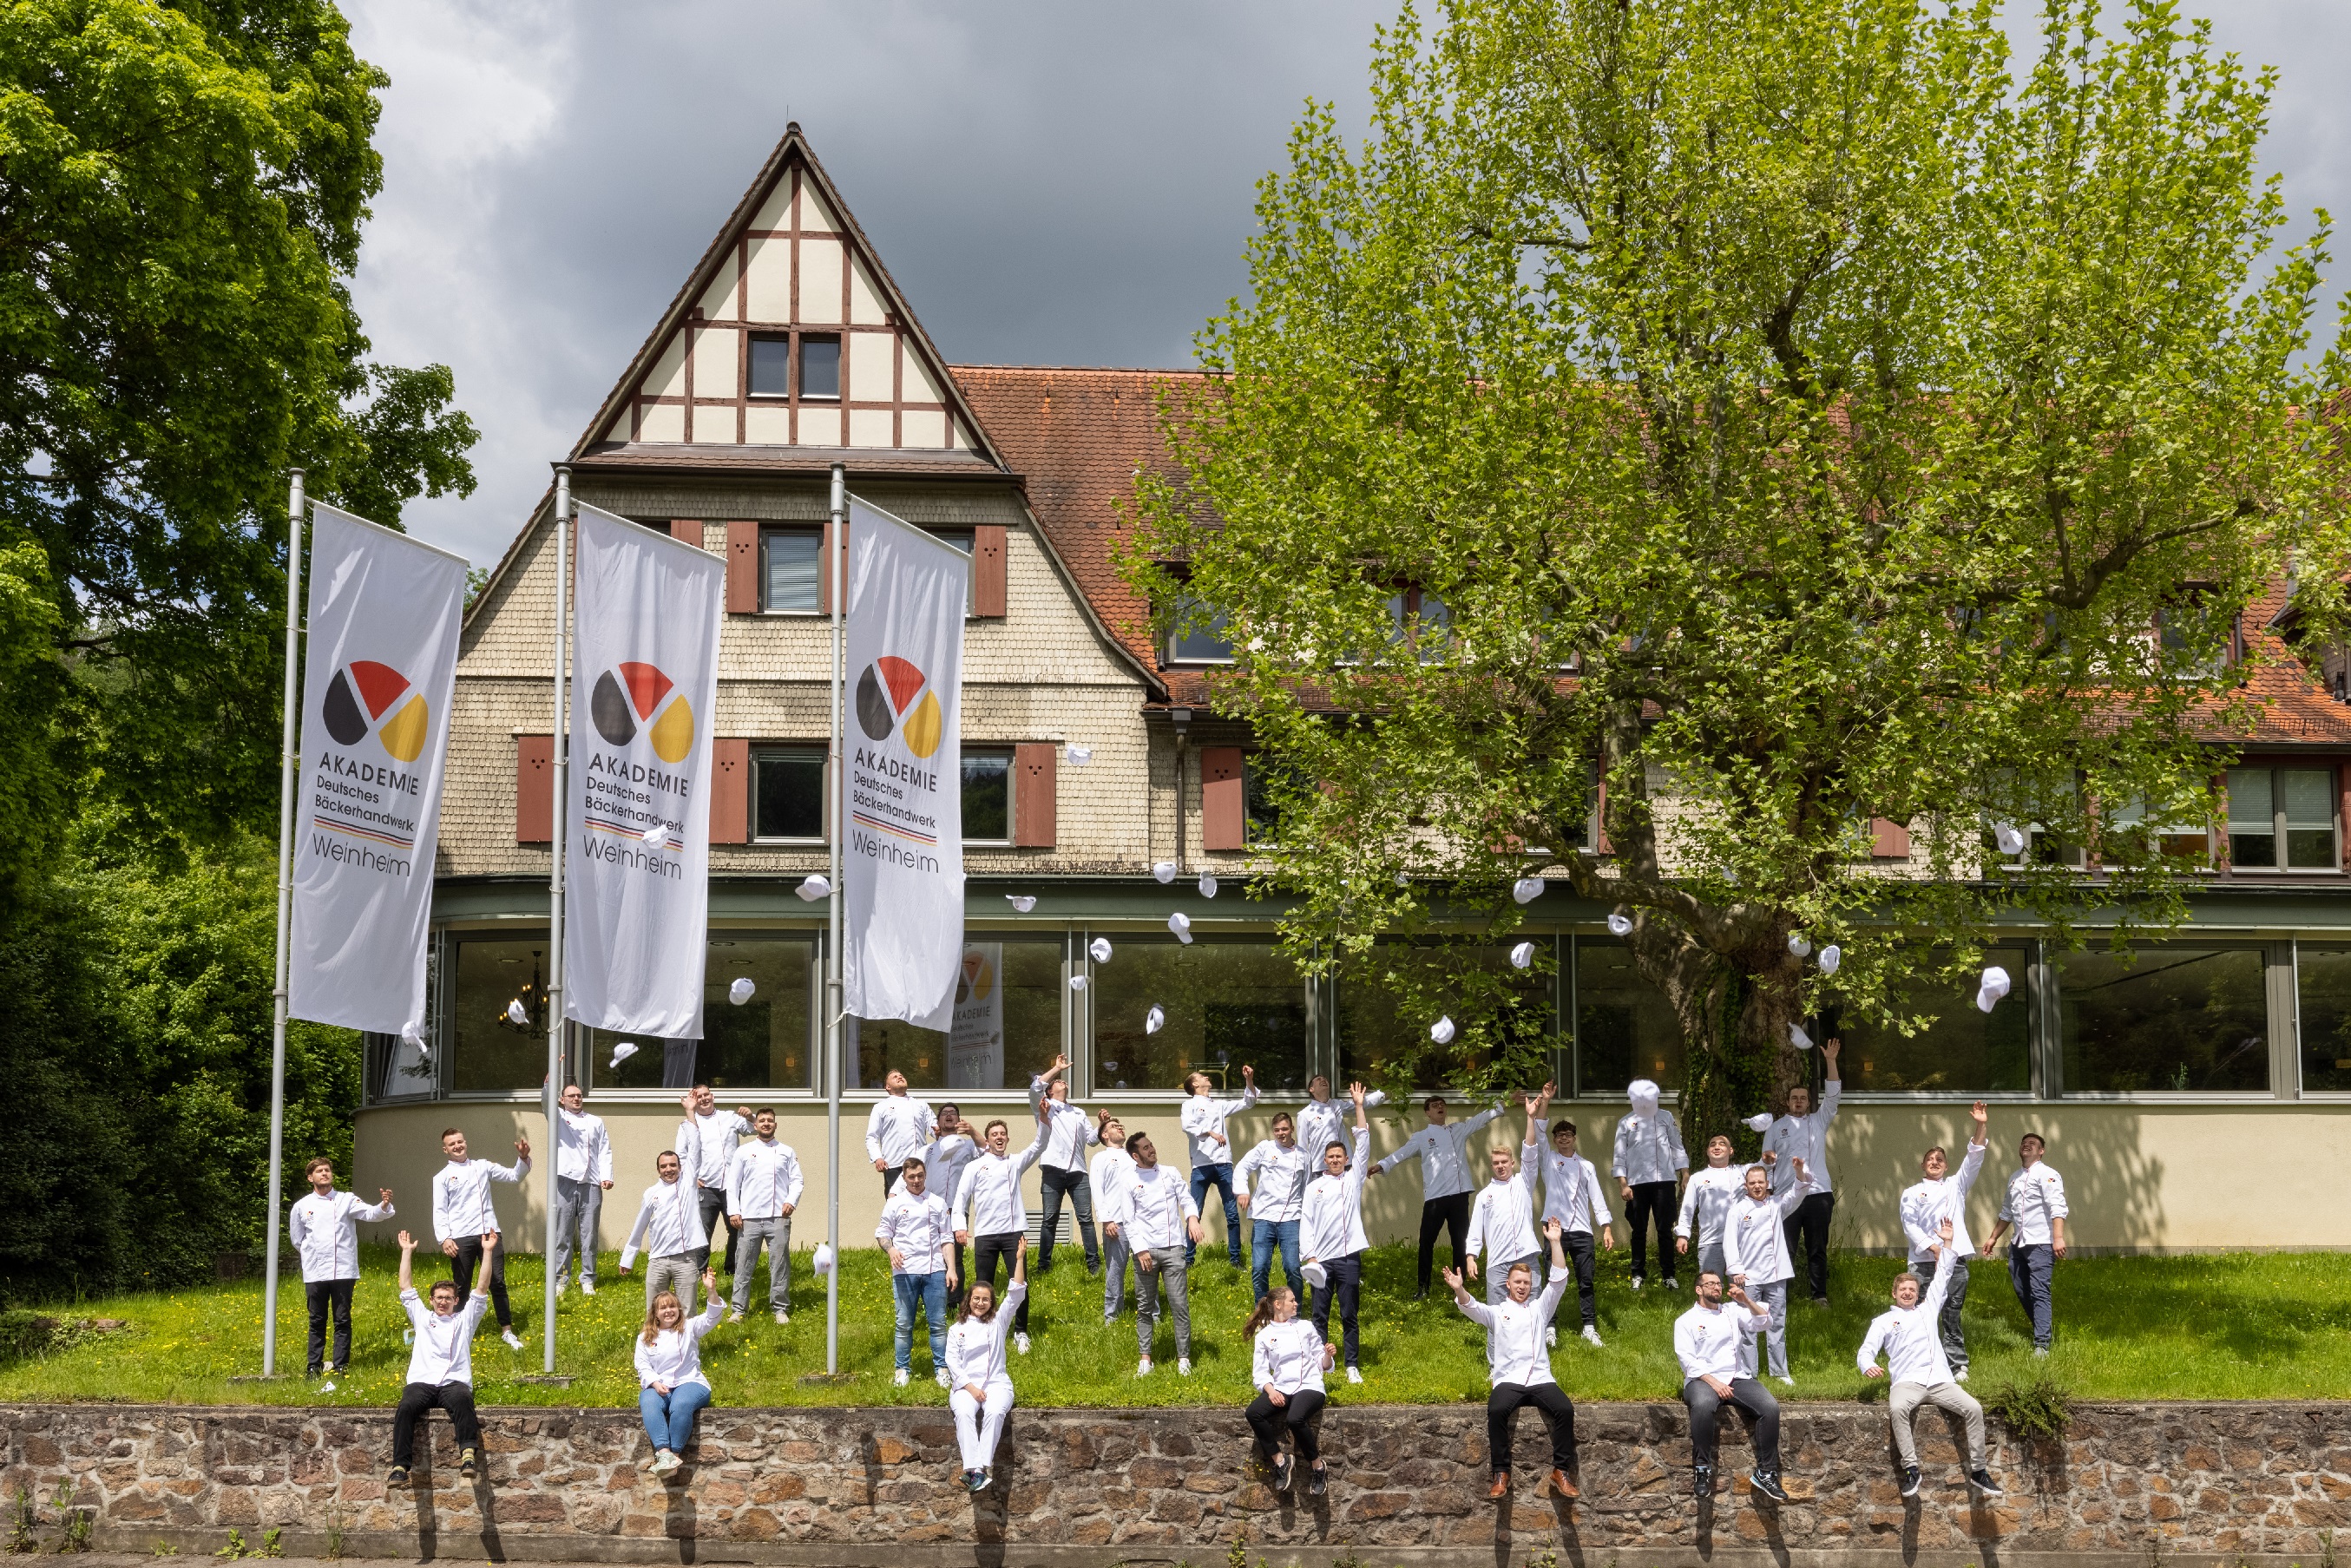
903,871
382,664
644,681
976,1041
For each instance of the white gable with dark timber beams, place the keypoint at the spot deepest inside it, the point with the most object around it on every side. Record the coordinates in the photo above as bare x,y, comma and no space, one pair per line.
791,269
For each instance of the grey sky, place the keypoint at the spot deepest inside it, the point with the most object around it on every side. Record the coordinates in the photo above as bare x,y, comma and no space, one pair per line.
1051,183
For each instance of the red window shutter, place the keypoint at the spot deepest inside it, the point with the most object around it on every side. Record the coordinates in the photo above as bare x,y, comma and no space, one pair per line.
1888,839
686,531
1035,777
988,570
534,789
825,566
1224,814
742,568
730,790
1600,845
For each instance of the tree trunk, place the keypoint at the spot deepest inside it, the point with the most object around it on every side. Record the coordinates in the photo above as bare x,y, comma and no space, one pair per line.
1737,1059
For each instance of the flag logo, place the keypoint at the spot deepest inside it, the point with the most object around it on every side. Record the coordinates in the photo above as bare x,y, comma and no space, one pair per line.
894,694
978,981
359,698
630,694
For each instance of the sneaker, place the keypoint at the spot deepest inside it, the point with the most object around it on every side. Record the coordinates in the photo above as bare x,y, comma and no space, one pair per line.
1636,1281
1592,1336
1143,1367
514,1340
1820,1301
667,1463
1420,1295
2039,1349
942,1375
1672,1283
587,1286
1355,1374
1981,1480
1182,1366
782,1316
1317,1482
468,1466
1282,1468
1020,1342
975,1481
1550,1336
1961,1376
987,1479
563,1285
1767,1482
1787,1380
899,1379
733,1316
1702,1481
399,1477
1908,1477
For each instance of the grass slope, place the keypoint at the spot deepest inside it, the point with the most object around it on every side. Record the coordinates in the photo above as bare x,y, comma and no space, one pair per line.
2233,1327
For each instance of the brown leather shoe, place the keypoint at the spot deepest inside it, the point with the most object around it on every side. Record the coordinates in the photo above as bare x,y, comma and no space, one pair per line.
1561,1485
1501,1486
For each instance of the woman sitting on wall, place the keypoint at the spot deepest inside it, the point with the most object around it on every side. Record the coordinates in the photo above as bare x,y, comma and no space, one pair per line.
980,1389
1288,1365
669,1370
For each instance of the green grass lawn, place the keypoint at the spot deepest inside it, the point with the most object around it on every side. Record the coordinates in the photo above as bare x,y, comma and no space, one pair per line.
2235,1326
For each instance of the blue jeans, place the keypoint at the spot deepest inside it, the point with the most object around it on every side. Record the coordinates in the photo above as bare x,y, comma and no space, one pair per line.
928,1291
1272,1235
1220,1177
669,1417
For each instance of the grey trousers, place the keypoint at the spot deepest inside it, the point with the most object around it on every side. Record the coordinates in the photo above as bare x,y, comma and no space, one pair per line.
1772,1299
1166,1264
777,1235
1115,1261
676,1274
579,1205
1902,1406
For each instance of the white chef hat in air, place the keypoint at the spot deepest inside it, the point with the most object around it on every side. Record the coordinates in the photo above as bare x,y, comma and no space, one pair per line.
1992,988
814,887
1644,1093
742,990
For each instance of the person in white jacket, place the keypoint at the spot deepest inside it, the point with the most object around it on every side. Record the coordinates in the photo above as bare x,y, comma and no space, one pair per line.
1155,1217
1061,1169
1649,1162
2036,1204
1573,1196
1908,1336
916,1233
945,1159
1321,1121
670,1387
1755,1246
463,1214
1805,1131
1926,1204
981,1391
1204,1120
584,1175
1113,1169
1516,1367
1271,1182
1287,1361
1716,1347
991,1219
1706,1198
707,1140
1442,1147
898,1125
1331,1234
669,1230
763,1188
441,1362
323,1225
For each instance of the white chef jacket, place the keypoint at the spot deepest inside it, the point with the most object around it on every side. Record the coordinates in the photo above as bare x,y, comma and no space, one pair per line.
1331,1219
714,1140
675,1356
944,1160
898,1125
1514,1342
1910,1336
1321,1123
2036,1195
461,1197
669,1223
1281,1176
1289,1356
583,1150
1926,1204
1706,1338
763,1177
1443,1154
325,1231
1111,1174
1706,1198
1502,1220
1572,1191
1755,1237
976,1349
1067,1133
1152,1210
918,1227
1649,1148
1807,1136
1204,1119
988,1202
443,1352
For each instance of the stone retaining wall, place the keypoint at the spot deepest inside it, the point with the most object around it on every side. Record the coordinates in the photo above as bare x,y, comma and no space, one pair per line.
2128,1484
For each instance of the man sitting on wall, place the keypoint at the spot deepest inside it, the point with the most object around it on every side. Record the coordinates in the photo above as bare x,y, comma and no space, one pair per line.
1907,1334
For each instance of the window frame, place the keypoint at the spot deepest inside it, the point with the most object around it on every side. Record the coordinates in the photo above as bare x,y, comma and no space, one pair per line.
768,531
1171,654
800,341
1011,794
750,358
2280,827
760,750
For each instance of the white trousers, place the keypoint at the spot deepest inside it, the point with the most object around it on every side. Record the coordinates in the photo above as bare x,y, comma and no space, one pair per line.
979,1427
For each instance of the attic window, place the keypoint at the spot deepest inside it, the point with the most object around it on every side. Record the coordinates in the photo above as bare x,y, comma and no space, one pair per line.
771,367
820,366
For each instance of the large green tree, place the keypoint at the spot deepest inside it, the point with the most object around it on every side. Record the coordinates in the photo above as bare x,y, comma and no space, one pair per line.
1755,419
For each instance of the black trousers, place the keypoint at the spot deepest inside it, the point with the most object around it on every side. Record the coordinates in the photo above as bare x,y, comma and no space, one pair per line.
1054,1183
461,1267
1502,1414
956,1286
458,1399
1706,1409
890,1180
321,1295
1652,1203
987,1251
1346,1287
1809,1225
1302,1413
1579,1258
1451,1215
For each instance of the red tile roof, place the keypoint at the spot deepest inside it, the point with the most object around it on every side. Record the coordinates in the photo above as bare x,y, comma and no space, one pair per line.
2295,708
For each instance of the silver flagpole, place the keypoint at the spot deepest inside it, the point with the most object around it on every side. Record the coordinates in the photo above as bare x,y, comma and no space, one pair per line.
554,1085
295,506
833,991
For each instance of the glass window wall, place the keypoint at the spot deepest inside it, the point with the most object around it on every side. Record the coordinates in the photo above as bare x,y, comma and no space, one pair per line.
1373,1028
2167,1017
1961,1051
765,1042
1006,1027
1624,1028
1225,1004
2322,977
491,1053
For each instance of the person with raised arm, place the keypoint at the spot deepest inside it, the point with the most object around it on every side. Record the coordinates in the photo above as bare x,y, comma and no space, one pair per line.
670,1387
991,1219
1156,1217
1715,1344
1706,1198
1516,1368
1061,1169
898,1125
1442,1147
1321,1121
584,1175
920,1239
1271,1182
1926,1204
714,1134
1502,1223
323,1225
669,1231
944,1158
1204,1118
1287,1361
2035,1204
1804,1132
1907,1335
1113,1169
763,1190
1331,1234
441,1362
1573,1196
1649,1159
463,1214
1755,1245
980,1390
